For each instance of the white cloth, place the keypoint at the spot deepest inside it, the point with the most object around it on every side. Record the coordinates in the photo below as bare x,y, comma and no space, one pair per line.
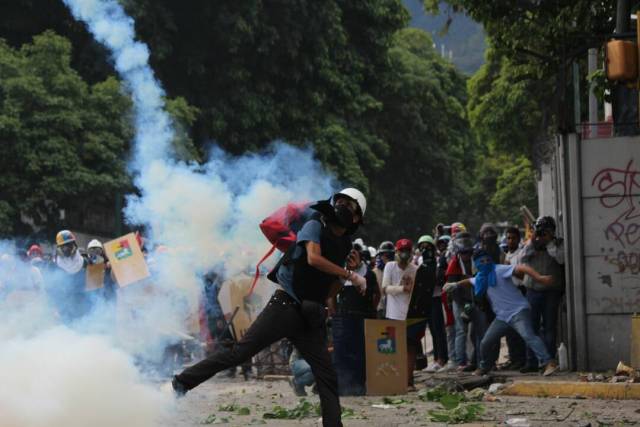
393,280
362,270
514,258
71,264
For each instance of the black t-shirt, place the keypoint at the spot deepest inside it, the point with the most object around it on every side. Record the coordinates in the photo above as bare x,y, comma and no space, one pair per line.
352,303
421,297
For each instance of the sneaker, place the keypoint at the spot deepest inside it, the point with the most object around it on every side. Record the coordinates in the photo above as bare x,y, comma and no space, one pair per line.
528,369
298,389
550,368
174,388
450,366
469,368
434,367
481,372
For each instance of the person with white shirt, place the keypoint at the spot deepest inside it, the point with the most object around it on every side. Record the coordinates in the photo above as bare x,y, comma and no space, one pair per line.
397,284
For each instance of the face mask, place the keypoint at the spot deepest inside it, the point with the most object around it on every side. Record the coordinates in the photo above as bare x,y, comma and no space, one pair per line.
67,250
96,259
428,254
404,256
490,240
344,216
539,244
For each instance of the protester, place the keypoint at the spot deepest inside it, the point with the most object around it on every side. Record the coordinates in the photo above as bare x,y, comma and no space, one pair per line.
96,256
511,307
307,273
397,284
351,308
465,311
432,261
386,254
515,344
302,375
68,285
545,253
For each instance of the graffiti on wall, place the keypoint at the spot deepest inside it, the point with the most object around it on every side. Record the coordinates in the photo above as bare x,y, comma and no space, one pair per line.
618,192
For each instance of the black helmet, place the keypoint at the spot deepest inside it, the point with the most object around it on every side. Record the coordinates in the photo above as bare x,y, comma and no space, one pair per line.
387,247
545,223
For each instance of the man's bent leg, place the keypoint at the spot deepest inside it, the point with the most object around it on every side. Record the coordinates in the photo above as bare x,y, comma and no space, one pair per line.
521,322
278,319
487,346
313,348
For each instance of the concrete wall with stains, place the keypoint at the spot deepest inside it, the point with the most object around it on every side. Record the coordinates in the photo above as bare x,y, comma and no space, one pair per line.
610,196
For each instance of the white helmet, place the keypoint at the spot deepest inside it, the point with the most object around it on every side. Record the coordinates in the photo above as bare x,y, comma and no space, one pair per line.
95,243
372,251
356,195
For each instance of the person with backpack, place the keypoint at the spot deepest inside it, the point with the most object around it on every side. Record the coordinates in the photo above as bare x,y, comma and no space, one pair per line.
309,273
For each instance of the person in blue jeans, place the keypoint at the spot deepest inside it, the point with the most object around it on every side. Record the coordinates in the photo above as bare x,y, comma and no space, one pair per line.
545,253
511,308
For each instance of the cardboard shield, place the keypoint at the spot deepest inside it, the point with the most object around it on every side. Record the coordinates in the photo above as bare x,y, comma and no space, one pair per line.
386,356
127,261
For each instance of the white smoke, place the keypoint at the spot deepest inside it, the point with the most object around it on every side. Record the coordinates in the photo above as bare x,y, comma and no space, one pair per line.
62,379
206,215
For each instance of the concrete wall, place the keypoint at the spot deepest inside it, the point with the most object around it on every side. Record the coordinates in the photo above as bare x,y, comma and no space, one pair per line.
609,186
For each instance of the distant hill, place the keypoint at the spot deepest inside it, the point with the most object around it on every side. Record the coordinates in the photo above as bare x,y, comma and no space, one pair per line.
465,37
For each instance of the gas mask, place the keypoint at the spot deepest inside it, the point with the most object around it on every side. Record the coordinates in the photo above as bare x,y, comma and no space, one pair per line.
95,256
67,250
428,254
344,216
404,255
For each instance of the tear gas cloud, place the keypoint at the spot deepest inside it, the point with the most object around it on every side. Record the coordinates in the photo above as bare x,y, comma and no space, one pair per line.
207,217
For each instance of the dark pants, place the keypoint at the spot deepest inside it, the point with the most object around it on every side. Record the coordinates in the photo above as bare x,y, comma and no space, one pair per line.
517,348
438,334
544,312
348,354
281,318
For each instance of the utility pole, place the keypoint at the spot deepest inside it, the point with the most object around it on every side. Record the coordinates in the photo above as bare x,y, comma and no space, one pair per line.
592,65
625,100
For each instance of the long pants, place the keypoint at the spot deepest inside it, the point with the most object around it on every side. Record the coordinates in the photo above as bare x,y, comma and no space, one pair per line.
281,318
479,322
521,323
544,312
438,334
348,354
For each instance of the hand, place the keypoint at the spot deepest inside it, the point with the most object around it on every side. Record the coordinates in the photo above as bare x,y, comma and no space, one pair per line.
546,280
407,284
449,287
359,282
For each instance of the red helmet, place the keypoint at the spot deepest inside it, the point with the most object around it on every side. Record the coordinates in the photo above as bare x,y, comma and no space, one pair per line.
404,245
35,251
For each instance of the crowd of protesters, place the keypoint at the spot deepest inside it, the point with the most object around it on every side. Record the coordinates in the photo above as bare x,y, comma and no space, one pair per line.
468,291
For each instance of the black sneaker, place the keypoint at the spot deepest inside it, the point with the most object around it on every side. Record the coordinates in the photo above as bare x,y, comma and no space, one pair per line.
529,369
469,368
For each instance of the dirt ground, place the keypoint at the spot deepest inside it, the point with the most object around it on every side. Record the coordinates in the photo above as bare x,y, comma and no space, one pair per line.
202,406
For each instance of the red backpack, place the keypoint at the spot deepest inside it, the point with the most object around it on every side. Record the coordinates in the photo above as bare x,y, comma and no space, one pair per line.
281,229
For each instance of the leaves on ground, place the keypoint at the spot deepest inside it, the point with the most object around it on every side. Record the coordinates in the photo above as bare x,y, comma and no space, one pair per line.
392,401
460,414
213,419
304,409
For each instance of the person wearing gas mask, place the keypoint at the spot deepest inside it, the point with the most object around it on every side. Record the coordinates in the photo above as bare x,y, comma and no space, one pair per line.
465,312
428,274
308,275
510,306
347,326
386,254
96,256
68,284
544,253
397,284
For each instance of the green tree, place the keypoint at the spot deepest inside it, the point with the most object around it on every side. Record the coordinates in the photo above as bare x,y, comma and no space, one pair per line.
63,142
424,122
